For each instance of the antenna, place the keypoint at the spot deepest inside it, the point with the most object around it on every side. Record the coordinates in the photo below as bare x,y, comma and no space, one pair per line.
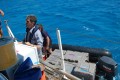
9,30
61,50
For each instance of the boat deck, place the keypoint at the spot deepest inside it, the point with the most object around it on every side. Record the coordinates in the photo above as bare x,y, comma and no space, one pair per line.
76,63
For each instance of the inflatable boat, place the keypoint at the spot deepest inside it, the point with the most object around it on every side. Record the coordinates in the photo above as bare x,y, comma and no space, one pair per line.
83,62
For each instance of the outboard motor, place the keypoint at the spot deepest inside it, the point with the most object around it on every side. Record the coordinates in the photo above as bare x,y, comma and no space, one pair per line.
106,68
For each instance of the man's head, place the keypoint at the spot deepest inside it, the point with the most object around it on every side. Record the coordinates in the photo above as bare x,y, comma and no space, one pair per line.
31,21
40,27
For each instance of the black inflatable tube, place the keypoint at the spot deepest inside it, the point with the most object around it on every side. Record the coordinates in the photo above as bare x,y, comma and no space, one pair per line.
94,53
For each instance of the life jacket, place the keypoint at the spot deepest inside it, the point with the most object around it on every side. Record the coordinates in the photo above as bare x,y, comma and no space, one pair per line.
31,34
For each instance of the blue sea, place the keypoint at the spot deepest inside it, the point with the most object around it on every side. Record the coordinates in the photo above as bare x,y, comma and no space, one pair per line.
89,23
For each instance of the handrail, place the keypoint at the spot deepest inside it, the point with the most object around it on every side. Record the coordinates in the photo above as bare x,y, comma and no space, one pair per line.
9,30
60,47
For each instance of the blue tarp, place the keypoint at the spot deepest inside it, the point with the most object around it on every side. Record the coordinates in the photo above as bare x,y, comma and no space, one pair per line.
26,72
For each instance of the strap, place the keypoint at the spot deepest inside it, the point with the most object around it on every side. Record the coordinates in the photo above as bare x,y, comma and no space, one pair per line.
33,32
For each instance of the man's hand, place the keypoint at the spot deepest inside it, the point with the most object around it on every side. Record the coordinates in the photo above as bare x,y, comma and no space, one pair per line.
47,48
29,44
1,12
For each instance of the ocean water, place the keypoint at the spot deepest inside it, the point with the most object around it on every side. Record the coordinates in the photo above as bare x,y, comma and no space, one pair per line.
90,23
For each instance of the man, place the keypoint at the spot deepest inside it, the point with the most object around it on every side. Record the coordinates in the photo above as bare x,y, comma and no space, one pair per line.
47,42
33,37
1,13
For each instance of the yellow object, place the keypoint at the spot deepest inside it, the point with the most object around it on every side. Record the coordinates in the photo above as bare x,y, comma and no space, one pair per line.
7,53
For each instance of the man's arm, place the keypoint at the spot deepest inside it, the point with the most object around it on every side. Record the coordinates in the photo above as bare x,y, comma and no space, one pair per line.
1,12
1,33
39,39
48,43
